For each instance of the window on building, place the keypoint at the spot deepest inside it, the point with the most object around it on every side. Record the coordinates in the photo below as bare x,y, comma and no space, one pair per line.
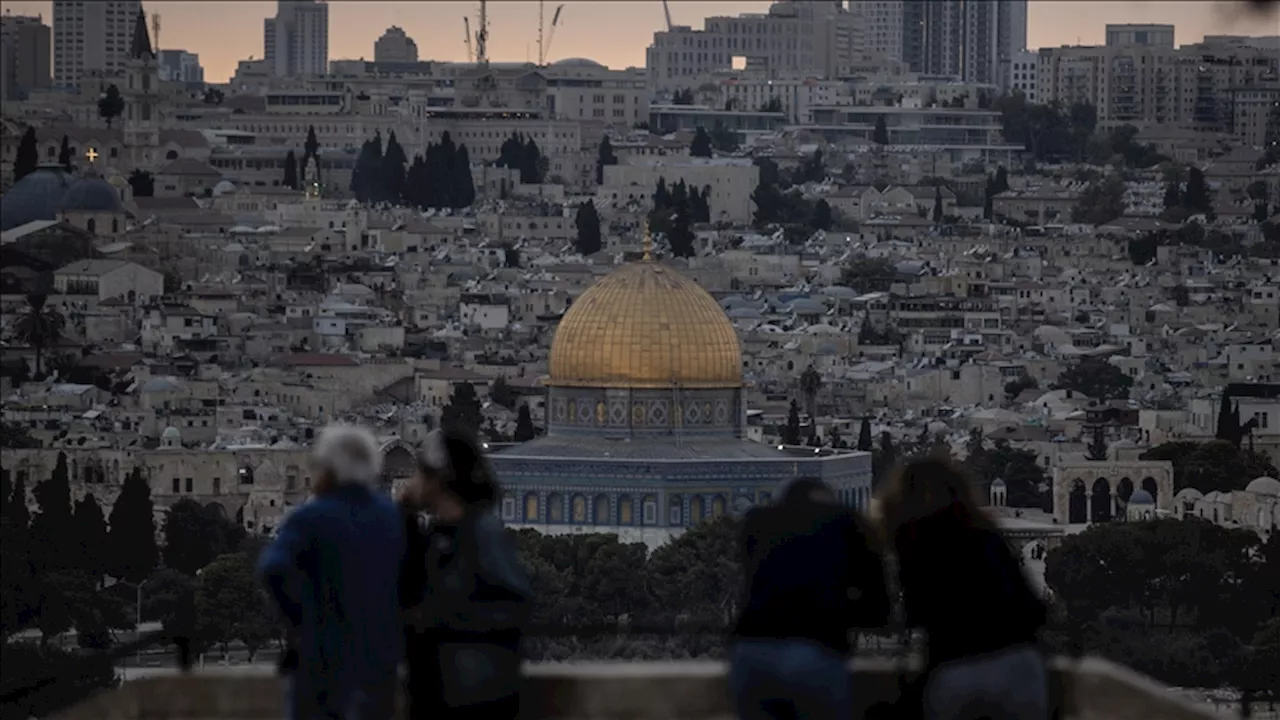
177,485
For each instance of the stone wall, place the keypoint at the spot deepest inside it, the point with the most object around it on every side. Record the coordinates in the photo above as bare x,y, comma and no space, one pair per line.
1088,689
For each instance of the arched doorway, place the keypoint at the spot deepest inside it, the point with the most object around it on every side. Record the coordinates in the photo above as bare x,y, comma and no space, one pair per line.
1124,490
1100,501
1077,503
1149,484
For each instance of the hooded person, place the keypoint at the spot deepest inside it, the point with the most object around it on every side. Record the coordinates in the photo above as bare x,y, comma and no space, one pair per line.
332,570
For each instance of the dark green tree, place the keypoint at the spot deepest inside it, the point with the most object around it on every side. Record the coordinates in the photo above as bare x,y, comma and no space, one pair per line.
310,149
213,96
604,157
111,104
1101,202
194,535
524,425
1228,421
142,183
1097,379
464,189
39,325
1196,198
810,384
864,435
64,154
131,539
532,164
1212,466
502,394
28,156
464,411
880,135
680,235
682,97
53,536
937,205
589,238
791,431
392,171
1172,194
701,146
724,139
772,105
821,215
510,257
91,538
231,606
18,599
290,171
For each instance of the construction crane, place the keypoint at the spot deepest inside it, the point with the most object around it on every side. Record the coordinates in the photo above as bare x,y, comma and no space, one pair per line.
482,35
155,30
555,21
666,9
466,26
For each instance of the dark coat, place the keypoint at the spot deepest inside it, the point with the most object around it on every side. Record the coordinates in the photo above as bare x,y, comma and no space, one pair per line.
810,574
467,599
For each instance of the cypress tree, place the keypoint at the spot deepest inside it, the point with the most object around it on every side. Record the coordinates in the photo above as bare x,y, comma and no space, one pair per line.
91,536
864,435
531,164
524,425
28,155
880,135
464,189
131,539
18,594
64,154
392,175
791,431
52,530
587,221
937,205
290,172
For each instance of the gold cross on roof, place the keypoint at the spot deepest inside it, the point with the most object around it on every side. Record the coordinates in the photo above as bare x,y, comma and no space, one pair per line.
92,155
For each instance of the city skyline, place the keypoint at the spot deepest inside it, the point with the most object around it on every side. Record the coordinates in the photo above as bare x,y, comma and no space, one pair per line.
438,28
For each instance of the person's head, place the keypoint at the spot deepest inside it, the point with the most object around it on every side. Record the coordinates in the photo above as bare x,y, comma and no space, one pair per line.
345,455
808,491
451,468
925,488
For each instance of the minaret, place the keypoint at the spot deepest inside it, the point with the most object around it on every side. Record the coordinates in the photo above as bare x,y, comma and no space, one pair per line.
142,100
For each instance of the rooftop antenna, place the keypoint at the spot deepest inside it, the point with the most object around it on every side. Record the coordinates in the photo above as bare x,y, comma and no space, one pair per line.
541,52
482,35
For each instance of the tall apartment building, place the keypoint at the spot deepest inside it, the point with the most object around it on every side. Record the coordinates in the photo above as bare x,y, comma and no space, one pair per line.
24,55
180,66
91,36
877,27
1194,86
796,37
395,46
296,41
973,40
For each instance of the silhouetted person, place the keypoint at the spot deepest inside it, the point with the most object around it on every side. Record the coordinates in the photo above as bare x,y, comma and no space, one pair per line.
962,584
466,595
333,570
811,577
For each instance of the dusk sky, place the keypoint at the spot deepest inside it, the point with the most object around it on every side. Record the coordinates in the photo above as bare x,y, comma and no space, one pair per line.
615,33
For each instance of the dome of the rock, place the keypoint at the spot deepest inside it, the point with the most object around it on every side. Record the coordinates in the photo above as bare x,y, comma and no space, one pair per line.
646,326
38,196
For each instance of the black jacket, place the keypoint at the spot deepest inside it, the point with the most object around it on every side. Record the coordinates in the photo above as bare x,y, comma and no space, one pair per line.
810,573
964,587
466,599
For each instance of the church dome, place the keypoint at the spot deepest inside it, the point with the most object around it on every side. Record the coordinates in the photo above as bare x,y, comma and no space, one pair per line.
92,194
35,197
1264,486
646,326
1141,497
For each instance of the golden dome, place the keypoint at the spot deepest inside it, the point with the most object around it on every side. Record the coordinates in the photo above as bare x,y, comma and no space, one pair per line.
646,326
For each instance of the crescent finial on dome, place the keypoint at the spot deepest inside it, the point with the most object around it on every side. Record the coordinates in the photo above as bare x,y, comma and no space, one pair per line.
647,243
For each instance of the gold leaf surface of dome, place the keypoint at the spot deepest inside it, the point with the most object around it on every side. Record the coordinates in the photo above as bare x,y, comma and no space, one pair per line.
646,326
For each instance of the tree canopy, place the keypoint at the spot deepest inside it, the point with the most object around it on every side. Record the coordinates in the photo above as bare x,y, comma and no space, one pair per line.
1097,379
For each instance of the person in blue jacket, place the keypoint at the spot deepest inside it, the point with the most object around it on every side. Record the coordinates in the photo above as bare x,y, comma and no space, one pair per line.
333,570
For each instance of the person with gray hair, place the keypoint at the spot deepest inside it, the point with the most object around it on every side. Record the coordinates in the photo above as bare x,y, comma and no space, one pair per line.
333,570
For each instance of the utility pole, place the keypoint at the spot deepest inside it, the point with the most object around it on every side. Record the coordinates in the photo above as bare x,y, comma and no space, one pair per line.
482,36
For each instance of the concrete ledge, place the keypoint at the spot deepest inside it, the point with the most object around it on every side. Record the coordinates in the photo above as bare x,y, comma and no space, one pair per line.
1088,689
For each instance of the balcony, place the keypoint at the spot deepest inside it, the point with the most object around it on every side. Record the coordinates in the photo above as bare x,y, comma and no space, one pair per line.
1088,689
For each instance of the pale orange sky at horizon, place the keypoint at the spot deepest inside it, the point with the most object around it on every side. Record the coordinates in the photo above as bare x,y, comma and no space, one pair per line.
614,33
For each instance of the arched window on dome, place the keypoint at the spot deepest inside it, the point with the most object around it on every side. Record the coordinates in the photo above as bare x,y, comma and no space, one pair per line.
626,510
578,510
91,225
531,507
695,510
717,506
555,508
649,510
675,511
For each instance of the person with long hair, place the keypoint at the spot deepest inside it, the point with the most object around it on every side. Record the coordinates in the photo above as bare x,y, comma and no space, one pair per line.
466,595
811,576
963,586
332,571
